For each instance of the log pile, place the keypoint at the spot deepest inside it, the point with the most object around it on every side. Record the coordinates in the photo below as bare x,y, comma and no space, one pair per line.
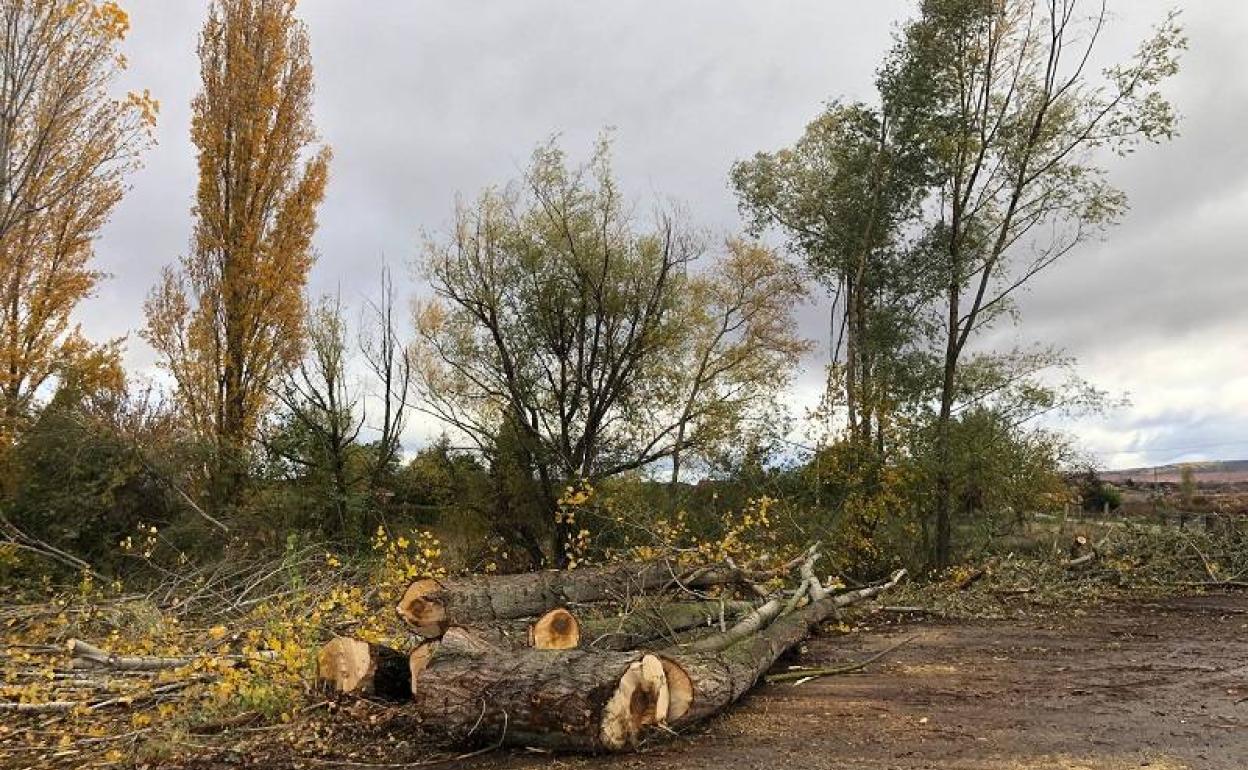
588,660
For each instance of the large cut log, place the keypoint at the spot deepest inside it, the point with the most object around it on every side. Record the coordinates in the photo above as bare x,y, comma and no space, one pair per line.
469,688
431,606
465,690
357,667
703,683
646,624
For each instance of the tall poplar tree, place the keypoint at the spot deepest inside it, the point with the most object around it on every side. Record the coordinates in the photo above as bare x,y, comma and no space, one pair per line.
66,145
228,320
1017,122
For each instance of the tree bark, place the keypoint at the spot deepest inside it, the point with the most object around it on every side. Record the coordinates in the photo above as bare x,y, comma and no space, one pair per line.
465,690
644,625
430,606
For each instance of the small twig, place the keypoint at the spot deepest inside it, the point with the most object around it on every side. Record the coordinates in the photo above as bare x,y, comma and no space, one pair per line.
811,673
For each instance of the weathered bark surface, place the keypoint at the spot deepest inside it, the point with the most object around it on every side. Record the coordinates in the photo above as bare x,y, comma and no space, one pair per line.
718,678
431,606
647,624
466,691
357,667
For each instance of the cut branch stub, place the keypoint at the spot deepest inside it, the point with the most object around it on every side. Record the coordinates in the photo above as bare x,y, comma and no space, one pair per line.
556,630
356,667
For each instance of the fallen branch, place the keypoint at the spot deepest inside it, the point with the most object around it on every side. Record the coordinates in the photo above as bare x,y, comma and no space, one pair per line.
811,673
87,655
702,684
118,700
644,625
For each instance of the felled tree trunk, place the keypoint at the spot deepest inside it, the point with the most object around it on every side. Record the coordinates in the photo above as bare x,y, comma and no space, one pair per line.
703,683
431,606
465,690
647,624
357,667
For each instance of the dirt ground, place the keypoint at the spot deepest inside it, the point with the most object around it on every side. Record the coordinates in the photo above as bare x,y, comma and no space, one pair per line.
1160,684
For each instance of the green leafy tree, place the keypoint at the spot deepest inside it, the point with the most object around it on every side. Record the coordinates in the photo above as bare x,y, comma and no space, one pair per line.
1016,125
322,421
589,346
842,195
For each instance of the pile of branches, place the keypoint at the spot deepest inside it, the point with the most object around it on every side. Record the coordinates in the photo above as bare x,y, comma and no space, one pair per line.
592,659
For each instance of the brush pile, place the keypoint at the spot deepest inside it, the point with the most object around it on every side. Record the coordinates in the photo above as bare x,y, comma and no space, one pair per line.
591,659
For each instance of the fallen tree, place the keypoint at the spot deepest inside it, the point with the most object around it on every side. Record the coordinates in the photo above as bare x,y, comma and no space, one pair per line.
643,625
721,669
432,606
468,689
465,689
576,684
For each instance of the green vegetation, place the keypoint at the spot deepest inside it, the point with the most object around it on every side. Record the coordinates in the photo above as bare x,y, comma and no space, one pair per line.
567,343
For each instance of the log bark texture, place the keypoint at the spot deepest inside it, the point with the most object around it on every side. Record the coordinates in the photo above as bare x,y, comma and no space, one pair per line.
431,606
467,691
647,624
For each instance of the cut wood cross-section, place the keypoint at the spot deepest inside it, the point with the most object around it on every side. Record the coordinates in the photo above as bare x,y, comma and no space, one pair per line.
353,666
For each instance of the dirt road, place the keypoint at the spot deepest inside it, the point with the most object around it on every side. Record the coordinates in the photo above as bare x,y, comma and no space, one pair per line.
1159,684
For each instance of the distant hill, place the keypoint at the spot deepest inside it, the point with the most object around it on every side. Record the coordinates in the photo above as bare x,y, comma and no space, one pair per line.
1212,472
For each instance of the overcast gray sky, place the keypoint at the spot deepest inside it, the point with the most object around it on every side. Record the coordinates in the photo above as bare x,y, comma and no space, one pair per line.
422,100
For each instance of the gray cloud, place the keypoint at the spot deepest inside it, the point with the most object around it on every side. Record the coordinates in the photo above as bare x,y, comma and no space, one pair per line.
424,100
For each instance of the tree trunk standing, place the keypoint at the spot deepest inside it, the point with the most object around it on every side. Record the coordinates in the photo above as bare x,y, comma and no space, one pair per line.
677,447
944,459
851,355
944,473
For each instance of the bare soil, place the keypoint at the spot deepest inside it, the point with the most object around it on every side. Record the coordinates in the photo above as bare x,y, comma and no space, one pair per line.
1159,683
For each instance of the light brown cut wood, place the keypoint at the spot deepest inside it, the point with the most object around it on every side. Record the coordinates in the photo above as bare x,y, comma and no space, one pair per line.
425,615
556,630
356,667
417,661
679,690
